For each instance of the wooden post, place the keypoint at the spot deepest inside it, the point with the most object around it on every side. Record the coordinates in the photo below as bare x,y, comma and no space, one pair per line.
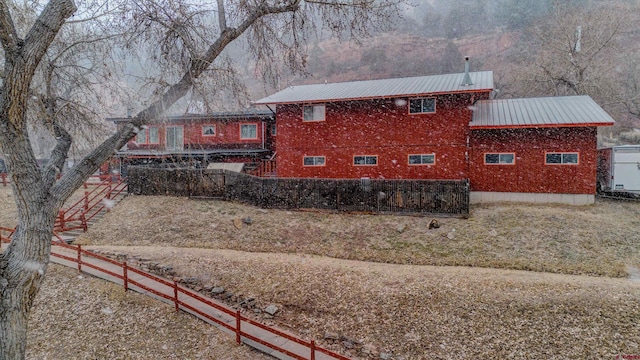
238,331
125,275
79,258
175,294
313,350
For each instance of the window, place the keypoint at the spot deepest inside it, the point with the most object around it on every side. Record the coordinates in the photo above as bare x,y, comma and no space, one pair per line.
421,106
248,131
561,158
422,159
148,136
314,161
154,137
273,129
365,160
499,158
208,130
313,112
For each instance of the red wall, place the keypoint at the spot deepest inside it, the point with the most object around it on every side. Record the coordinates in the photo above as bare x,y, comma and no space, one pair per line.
376,127
227,135
530,174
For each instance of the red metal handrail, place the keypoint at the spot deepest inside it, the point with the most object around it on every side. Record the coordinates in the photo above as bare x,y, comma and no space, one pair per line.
4,179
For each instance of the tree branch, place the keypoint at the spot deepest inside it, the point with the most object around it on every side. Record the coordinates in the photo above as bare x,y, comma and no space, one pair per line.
8,34
222,17
45,30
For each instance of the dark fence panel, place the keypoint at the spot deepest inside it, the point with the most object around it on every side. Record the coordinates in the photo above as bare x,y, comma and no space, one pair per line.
397,196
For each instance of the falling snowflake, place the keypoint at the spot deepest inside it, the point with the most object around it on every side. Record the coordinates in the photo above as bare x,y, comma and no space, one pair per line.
108,203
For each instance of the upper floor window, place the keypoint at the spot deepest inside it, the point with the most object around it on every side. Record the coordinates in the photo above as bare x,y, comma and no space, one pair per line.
313,112
273,129
422,105
569,158
314,161
422,159
499,158
208,130
370,160
248,131
148,136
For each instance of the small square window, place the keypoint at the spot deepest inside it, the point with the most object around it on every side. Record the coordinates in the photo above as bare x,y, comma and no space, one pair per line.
248,131
314,112
208,130
422,106
273,129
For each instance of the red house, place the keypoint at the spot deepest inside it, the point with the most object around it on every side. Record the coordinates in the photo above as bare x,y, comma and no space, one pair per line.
441,127
246,136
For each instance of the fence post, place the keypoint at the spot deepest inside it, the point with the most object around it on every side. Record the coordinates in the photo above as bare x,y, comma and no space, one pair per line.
313,350
61,217
79,258
238,331
4,179
125,275
175,294
83,219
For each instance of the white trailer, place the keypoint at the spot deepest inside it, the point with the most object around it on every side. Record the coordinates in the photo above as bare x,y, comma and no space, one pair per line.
619,169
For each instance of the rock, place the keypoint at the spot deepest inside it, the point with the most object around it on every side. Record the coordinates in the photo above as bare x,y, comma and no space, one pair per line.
348,344
257,311
401,228
237,223
217,290
247,302
451,236
207,288
192,280
271,310
263,211
247,220
331,336
434,224
370,349
227,296
167,268
385,356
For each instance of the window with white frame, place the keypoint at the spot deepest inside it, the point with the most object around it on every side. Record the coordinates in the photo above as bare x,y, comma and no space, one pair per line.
148,136
208,130
365,160
422,106
422,159
568,158
499,158
314,161
313,112
248,131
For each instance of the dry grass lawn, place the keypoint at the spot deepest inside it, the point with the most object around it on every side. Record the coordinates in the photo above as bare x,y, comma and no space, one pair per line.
367,277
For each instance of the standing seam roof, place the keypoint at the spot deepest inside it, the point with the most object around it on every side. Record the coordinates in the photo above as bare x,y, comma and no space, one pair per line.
539,112
384,88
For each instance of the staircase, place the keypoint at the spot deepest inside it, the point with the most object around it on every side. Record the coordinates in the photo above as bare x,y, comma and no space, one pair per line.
75,219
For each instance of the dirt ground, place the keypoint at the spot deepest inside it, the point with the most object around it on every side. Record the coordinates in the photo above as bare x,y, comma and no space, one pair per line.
368,279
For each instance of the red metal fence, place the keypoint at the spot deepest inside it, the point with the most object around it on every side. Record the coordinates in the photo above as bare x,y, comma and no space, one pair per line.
91,204
194,303
4,179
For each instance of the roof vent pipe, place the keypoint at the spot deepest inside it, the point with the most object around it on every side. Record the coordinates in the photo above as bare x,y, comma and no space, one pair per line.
467,79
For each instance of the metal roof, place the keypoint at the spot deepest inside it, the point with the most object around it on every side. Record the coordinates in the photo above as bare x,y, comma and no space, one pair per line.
385,88
227,115
539,112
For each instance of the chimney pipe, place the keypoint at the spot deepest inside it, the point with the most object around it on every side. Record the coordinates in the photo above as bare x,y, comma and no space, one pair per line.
466,81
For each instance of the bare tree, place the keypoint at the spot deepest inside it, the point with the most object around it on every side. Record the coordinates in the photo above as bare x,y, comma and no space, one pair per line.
187,41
